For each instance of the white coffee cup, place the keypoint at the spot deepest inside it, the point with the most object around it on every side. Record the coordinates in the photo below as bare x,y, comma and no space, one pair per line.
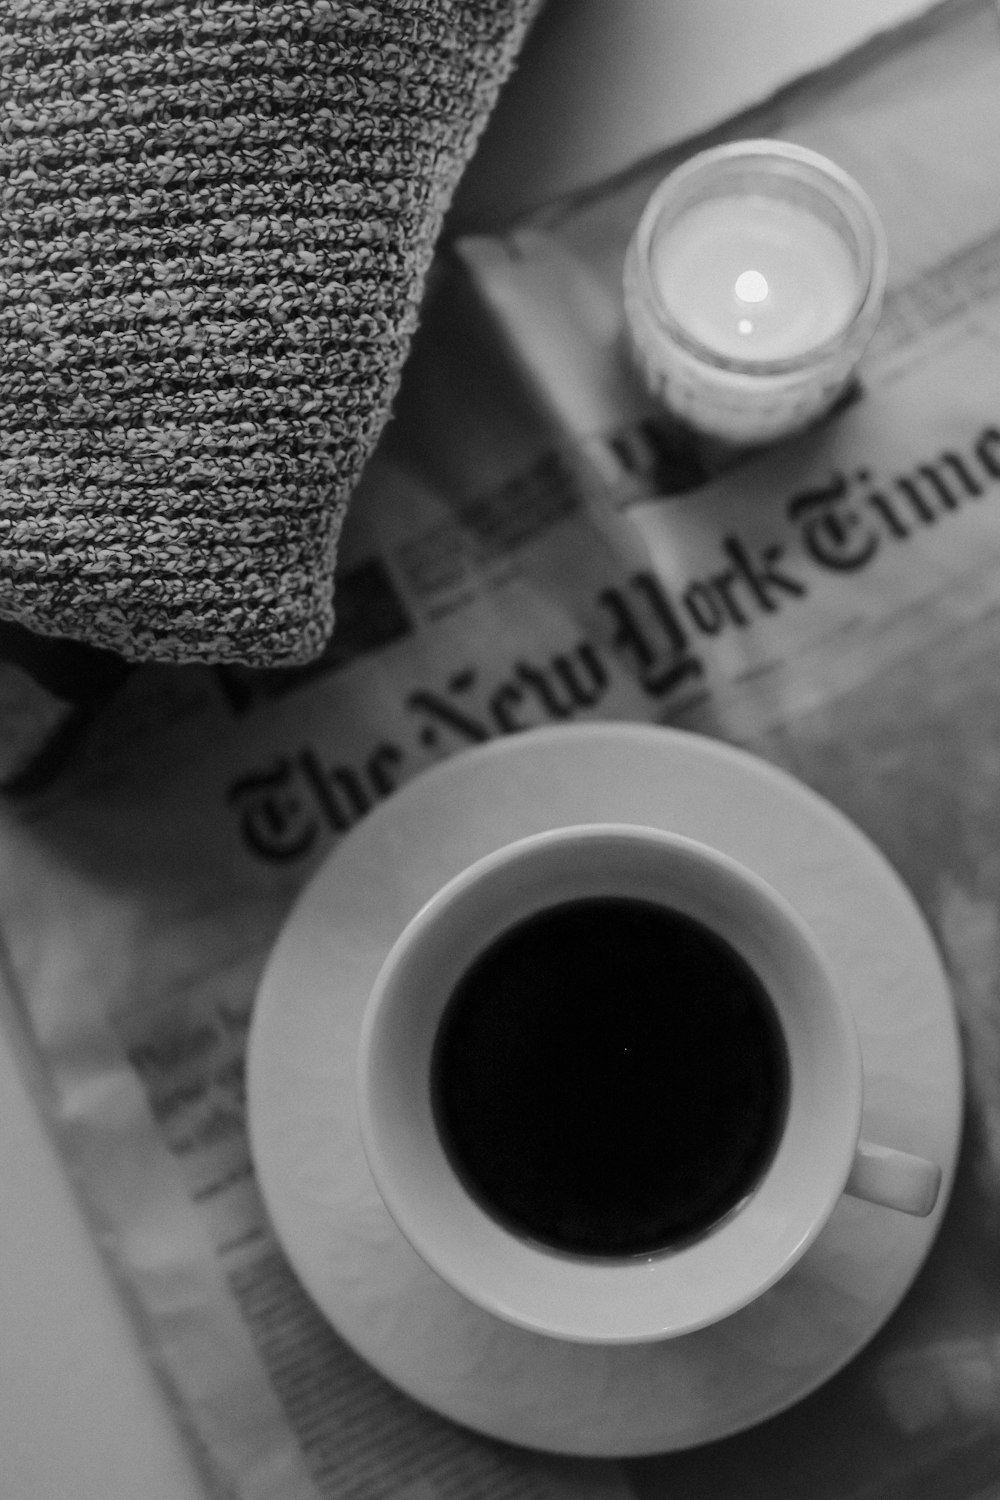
664,1292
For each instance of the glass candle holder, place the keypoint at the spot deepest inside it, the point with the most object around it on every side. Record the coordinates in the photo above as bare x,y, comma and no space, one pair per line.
753,282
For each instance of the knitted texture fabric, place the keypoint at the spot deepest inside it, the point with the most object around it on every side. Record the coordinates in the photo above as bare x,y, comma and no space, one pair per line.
216,218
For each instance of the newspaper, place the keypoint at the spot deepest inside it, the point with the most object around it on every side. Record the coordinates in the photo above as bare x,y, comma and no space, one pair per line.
535,543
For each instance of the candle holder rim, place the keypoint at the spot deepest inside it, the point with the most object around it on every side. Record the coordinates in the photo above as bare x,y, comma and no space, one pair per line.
765,149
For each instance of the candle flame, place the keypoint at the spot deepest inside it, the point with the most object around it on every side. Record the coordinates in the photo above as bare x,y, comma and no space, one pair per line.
751,286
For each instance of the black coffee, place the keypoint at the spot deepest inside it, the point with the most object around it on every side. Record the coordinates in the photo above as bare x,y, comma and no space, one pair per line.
609,1077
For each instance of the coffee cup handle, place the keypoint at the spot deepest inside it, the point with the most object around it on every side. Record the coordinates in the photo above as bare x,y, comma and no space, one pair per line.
895,1179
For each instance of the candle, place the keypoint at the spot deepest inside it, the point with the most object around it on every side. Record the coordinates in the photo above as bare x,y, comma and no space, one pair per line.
753,282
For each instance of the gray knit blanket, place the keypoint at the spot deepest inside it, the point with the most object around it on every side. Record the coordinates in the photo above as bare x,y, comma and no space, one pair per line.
216,218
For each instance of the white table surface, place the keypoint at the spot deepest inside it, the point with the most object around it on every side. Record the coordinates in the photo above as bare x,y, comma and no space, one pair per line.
600,82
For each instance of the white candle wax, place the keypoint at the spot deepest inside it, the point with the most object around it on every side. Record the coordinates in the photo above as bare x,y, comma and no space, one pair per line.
753,282
755,278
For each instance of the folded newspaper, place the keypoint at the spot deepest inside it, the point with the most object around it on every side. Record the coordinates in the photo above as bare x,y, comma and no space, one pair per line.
535,543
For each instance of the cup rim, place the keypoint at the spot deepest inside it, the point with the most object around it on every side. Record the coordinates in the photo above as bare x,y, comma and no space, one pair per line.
609,1300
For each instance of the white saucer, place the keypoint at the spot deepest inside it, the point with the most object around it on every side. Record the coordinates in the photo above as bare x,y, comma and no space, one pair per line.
519,1386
